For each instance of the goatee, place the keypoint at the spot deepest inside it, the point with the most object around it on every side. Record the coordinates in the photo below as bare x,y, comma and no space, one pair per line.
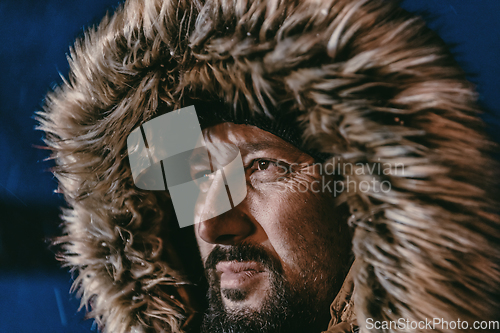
285,309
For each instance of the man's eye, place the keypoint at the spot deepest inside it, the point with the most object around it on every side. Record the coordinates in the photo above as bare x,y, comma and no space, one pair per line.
263,165
202,177
202,174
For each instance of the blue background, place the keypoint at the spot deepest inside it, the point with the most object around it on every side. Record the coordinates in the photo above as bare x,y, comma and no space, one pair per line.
34,40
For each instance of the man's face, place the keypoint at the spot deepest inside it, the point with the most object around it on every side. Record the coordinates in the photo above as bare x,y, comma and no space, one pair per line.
275,261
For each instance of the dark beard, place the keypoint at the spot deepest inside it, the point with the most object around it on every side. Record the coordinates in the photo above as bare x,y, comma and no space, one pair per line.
284,310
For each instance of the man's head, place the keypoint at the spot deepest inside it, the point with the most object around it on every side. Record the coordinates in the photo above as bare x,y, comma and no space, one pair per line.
276,260
363,81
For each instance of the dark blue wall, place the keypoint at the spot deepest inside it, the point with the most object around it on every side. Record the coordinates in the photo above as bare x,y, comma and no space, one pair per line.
34,39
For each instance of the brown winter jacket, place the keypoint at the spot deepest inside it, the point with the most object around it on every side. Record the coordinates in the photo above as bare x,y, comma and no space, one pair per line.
372,85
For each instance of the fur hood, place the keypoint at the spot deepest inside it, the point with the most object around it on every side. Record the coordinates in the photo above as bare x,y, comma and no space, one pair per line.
372,84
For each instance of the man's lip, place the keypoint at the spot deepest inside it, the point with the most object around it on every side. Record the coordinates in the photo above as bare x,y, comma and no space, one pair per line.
238,266
236,274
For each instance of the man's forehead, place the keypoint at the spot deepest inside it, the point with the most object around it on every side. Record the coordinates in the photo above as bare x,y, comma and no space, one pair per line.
249,139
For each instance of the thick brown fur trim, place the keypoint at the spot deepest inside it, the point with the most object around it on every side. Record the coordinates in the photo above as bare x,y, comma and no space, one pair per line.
374,85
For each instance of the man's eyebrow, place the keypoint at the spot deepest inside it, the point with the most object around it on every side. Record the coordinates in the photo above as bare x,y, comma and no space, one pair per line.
252,147
199,155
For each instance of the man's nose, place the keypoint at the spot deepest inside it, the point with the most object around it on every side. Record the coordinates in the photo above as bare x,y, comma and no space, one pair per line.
223,218
228,228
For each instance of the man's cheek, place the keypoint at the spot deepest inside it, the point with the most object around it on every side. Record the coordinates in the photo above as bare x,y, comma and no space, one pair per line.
289,244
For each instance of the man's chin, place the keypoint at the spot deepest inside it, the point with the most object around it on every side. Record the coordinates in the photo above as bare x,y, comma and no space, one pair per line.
271,308
248,292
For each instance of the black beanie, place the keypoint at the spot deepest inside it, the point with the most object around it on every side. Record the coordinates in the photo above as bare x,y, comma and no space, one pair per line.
282,124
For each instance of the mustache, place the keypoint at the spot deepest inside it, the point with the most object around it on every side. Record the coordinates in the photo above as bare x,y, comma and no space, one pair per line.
243,252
